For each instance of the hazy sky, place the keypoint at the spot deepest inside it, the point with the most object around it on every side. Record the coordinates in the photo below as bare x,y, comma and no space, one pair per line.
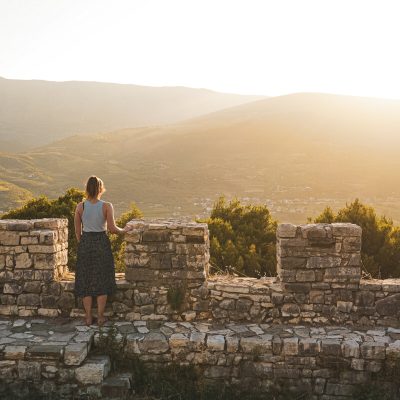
258,47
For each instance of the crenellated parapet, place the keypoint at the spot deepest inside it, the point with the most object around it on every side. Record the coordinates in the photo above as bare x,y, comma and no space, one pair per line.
167,277
33,255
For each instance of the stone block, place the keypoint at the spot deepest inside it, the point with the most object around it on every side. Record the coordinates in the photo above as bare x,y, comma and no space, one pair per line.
178,340
140,274
8,309
197,340
316,231
351,244
373,350
243,305
66,301
29,240
93,371
346,229
46,351
286,231
331,347
393,350
309,346
305,276
54,288
290,346
48,312
343,274
232,344
155,236
28,299
75,353
232,288
48,237
23,260
389,306
117,386
297,287
9,238
290,310
317,297
46,249
216,342
32,286
262,343
45,261
351,348
316,262
14,352
293,262
29,370
12,288
344,306
227,304
153,343
160,261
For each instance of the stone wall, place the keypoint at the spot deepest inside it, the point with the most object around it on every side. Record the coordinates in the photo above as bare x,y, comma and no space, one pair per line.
167,277
319,282
33,255
166,270
316,327
323,363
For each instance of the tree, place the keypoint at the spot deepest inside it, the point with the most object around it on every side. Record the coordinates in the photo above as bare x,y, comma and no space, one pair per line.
242,238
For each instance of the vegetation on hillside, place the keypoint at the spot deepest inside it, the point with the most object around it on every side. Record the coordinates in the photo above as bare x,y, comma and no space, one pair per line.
380,250
64,207
242,238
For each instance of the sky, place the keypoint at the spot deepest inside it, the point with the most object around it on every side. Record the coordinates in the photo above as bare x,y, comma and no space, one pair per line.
250,47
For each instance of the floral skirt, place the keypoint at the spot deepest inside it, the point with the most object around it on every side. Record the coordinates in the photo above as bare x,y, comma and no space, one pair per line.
95,269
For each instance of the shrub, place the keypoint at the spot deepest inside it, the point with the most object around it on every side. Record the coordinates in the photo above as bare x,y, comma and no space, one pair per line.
242,238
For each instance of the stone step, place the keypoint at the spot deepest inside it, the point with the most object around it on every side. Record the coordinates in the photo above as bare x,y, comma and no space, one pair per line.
117,386
93,370
39,340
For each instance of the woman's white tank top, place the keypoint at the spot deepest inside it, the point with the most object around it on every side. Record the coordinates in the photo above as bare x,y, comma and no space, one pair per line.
92,218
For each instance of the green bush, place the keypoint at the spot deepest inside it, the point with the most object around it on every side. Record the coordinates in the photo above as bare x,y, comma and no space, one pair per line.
242,238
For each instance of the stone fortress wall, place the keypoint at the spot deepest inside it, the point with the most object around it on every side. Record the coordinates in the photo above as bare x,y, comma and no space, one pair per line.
317,325
167,278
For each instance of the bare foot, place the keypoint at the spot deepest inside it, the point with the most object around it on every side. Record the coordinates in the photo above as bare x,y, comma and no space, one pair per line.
101,321
89,320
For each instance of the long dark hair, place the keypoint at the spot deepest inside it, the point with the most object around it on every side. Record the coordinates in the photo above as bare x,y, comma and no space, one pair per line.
94,186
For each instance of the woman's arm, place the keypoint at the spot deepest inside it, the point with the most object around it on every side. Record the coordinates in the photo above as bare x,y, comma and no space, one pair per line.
111,227
78,221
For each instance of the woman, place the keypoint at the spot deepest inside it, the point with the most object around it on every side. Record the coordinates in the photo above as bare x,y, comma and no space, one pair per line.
95,270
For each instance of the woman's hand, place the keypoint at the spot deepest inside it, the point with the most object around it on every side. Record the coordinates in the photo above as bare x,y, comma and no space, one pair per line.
127,228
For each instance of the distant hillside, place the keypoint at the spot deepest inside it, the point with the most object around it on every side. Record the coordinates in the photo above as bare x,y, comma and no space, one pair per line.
37,112
298,153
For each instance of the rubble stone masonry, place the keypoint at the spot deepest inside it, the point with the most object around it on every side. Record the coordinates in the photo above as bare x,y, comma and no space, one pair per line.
316,325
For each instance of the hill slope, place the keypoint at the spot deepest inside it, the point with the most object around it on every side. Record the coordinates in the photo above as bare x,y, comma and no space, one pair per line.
298,153
36,112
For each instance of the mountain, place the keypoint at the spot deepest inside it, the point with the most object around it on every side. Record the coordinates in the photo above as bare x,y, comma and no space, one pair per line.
297,153
33,113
